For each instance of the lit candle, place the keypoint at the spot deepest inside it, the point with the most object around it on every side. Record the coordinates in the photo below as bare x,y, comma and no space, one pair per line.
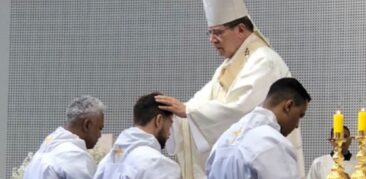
338,122
362,120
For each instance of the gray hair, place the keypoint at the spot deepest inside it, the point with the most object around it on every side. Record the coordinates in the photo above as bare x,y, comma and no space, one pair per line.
83,105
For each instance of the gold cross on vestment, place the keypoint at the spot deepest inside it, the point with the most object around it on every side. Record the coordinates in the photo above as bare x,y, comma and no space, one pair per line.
118,151
236,134
48,139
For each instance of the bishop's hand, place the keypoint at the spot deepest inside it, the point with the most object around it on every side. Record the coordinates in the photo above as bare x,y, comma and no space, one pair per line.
172,104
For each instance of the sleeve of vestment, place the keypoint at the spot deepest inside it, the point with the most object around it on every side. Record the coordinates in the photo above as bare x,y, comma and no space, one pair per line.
77,164
276,162
228,164
161,167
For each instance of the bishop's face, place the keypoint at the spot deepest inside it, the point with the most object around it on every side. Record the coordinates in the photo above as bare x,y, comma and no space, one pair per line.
226,40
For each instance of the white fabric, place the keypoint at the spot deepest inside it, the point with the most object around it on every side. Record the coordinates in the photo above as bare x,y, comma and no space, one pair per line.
253,148
61,155
219,12
322,165
136,155
213,110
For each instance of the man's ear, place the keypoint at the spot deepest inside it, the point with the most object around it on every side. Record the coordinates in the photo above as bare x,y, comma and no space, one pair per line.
158,120
86,125
242,27
288,105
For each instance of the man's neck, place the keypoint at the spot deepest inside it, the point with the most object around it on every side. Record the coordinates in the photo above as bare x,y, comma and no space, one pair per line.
146,129
74,130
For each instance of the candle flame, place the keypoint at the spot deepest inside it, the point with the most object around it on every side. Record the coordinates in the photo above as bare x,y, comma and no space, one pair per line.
338,112
363,109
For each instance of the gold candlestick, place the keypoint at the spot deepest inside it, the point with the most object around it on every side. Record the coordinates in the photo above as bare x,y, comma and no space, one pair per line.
360,172
337,171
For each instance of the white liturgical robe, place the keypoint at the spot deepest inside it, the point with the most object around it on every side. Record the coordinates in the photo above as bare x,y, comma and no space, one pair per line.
253,148
61,155
322,165
223,101
136,155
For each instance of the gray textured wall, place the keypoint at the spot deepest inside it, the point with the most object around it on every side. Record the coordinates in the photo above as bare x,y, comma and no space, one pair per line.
118,50
4,61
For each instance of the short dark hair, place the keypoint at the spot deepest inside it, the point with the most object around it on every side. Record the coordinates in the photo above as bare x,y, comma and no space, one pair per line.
146,108
288,88
244,20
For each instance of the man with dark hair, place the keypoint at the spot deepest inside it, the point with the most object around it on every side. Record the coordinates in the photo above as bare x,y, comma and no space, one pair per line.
256,147
238,85
136,153
63,154
322,165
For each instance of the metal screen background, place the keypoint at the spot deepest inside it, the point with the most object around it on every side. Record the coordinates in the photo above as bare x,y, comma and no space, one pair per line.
118,50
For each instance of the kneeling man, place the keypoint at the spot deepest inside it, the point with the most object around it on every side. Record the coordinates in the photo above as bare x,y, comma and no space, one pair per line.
256,147
63,154
137,152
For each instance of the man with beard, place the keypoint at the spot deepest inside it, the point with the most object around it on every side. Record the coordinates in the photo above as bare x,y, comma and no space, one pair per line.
136,153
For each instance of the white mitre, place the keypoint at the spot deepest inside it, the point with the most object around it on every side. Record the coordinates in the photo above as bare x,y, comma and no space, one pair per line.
219,12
